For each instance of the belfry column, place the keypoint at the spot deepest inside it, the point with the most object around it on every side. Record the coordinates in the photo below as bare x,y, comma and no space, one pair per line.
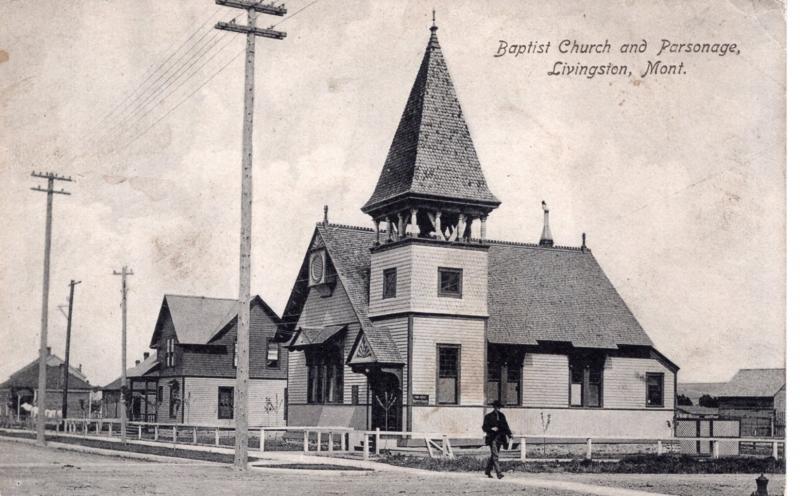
414,229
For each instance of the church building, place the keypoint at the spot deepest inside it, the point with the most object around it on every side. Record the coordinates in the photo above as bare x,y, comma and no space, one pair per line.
419,322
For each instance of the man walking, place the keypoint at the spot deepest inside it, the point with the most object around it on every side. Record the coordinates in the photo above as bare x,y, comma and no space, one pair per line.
497,434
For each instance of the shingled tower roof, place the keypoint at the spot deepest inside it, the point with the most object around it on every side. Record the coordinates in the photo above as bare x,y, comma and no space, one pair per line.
432,155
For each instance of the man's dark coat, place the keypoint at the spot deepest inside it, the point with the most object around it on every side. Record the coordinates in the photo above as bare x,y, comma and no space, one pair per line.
503,432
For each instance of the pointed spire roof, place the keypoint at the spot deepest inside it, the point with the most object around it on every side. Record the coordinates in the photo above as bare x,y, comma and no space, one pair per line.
432,154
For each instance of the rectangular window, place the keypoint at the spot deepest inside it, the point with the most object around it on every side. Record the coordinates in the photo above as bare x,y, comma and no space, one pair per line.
325,375
169,356
354,394
586,382
450,282
390,283
448,374
273,354
225,403
174,400
512,384
655,389
503,380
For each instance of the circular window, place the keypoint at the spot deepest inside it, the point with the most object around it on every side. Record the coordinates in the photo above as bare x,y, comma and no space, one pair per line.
317,267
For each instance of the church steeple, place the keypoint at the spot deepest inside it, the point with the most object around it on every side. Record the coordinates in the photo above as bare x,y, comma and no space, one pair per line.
432,184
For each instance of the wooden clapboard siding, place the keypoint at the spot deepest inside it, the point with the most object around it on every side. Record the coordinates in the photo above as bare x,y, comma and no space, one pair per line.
320,311
418,280
545,380
430,331
351,378
624,382
202,394
400,259
298,378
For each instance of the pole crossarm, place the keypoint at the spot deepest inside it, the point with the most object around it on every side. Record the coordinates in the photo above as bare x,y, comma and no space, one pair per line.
261,8
238,28
51,175
42,190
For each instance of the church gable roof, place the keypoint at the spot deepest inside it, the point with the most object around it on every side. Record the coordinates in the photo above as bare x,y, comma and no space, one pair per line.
432,154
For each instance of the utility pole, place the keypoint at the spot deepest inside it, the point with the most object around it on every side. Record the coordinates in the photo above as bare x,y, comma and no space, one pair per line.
243,320
72,284
123,382
41,404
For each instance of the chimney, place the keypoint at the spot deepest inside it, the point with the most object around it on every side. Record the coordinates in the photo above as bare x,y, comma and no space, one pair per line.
146,355
136,363
80,367
547,236
49,351
325,215
583,242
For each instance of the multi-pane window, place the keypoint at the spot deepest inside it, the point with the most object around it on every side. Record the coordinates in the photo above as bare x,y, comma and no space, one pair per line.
390,283
273,354
586,382
655,389
450,282
504,376
225,402
174,400
325,375
447,381
169,356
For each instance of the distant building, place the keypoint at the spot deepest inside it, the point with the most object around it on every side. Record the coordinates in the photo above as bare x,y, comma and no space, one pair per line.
142,405
758,398
421,322
190,377
18,395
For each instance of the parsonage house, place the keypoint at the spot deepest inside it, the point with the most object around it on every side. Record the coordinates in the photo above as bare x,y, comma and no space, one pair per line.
420,322
191,375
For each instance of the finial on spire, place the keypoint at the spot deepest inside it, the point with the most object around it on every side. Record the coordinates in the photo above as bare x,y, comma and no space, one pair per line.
547,236
433,24
325,215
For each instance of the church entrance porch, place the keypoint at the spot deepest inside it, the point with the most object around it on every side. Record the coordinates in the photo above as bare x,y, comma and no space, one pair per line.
387,400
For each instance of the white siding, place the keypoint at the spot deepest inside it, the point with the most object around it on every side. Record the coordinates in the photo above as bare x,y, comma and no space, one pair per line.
201,400
427,332
418,280
545,380
320,311
624,382
398,329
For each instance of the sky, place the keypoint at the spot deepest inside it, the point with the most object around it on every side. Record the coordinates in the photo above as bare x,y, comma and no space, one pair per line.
678,181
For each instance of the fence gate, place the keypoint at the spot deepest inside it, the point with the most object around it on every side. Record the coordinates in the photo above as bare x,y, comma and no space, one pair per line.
708,428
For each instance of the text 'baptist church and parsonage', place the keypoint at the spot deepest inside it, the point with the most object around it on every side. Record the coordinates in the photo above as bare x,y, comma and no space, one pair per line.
668,60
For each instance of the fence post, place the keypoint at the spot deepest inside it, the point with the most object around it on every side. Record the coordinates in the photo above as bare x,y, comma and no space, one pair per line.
155,434
715,449
111,429
216,436
85,428
319,441
589,449
194,435
330,442
261,441
305,441
174,433
140,432
775,449
342,445
366,445
523,449
97,427
659,448
378,441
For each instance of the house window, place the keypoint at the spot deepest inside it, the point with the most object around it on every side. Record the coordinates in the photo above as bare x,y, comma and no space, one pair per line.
174,400
170,354
448,365
586,382
273,354
325,375
450,282
390,283
225,403
655,389
504,376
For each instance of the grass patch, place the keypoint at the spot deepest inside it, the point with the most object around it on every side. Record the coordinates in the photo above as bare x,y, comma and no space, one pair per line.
636,464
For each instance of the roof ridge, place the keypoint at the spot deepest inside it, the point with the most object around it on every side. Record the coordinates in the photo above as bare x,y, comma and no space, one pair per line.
201,297
346,226
536,245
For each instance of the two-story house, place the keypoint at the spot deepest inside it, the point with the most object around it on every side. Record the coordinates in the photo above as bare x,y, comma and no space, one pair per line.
421,321
193,382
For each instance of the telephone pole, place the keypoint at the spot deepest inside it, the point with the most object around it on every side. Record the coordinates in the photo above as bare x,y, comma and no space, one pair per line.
51,177
123,382
72,284
243,321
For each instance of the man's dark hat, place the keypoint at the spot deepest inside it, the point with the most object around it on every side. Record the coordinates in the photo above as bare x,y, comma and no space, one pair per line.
497,404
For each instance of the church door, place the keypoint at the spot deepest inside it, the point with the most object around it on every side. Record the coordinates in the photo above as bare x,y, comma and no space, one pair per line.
386,401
